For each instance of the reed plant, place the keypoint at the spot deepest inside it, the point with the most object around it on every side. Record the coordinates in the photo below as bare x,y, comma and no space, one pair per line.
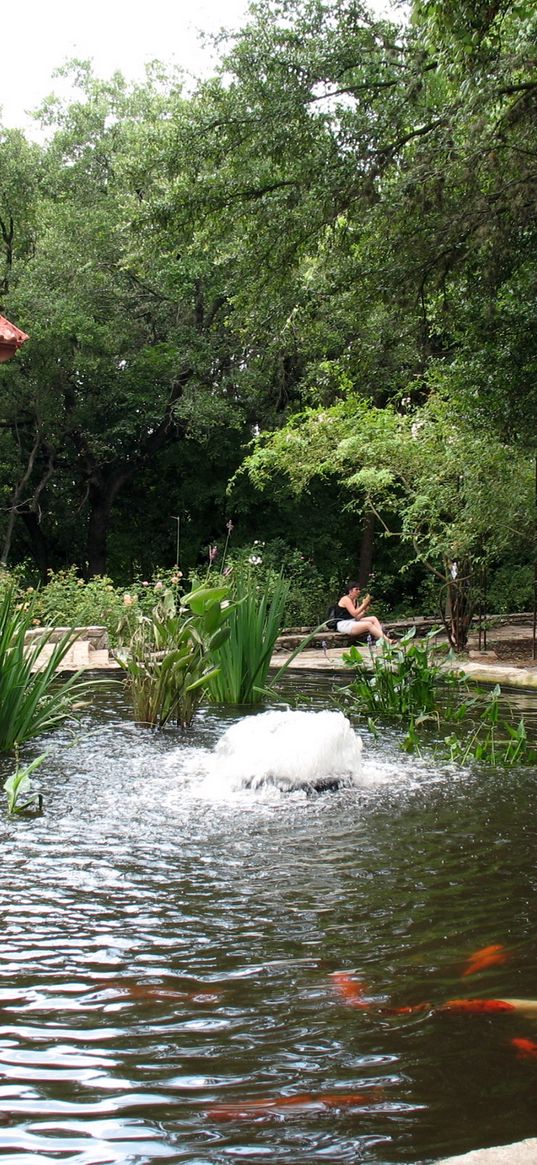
33,699
243,660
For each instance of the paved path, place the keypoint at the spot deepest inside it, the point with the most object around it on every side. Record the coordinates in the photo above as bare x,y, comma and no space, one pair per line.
89,652
521,1153
483,668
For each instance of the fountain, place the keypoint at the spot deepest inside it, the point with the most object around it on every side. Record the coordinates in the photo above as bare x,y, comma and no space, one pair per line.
312,751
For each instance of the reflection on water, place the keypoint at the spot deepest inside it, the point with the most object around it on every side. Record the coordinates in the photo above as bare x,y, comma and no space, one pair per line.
168,951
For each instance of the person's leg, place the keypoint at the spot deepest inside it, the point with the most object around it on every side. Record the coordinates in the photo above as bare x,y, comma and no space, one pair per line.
365,627
369,626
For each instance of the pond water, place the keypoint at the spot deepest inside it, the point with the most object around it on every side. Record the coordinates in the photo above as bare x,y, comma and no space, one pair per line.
169,950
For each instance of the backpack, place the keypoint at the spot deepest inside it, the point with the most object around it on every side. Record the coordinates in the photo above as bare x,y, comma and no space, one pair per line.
331,621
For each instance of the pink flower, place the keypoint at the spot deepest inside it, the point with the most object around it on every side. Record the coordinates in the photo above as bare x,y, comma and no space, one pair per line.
213,553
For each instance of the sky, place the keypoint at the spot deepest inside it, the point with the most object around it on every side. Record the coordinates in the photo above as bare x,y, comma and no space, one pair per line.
114,34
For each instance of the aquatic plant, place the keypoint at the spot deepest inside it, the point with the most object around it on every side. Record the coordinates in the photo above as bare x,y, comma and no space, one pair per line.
493,740
19,785
170,658
33,699
401,681
255,622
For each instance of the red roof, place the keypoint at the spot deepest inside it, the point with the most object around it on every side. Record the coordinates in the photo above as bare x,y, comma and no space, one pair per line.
11,338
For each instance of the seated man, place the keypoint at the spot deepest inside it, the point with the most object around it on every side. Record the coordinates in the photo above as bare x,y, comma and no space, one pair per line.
351,617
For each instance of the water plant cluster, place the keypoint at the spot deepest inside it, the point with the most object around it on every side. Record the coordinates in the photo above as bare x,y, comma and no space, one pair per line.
170,658
32,701
213,643
407,683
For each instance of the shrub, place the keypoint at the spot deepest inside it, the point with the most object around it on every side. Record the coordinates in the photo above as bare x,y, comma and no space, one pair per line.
510,588
67,600
308,592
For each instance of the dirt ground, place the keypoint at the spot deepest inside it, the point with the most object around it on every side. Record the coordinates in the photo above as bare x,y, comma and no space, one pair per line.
510,644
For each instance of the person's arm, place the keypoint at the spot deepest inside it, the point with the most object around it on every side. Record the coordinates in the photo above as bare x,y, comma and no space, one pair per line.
361,610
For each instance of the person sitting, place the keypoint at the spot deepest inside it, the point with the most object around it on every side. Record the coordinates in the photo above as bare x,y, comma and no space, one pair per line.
352,618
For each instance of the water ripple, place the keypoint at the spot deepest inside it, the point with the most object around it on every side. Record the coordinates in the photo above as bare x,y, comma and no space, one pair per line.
165,950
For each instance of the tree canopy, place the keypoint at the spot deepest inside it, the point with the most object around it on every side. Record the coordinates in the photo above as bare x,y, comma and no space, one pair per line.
331,240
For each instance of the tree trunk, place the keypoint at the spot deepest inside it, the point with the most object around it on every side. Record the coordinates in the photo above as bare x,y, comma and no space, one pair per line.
459,605
98,537
106,481
103,490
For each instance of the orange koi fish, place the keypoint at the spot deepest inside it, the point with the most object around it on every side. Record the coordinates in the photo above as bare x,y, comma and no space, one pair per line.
158,993
352,991
525,1049
349,989
410,1009
283,1105
486,957
526,1007
477,1006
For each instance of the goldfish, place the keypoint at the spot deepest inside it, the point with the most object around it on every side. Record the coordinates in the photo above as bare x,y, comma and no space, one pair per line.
158,993
477,1006
409,1009
302,1102
352,992
350,989
525,1049
486,957
526,1007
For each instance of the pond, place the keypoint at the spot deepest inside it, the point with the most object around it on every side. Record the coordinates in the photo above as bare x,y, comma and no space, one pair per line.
171,951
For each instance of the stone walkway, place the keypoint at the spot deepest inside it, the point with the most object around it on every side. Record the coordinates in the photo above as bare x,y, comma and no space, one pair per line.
91,652
520,1153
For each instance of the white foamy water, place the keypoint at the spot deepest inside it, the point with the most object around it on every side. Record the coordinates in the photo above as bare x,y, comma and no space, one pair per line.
288,750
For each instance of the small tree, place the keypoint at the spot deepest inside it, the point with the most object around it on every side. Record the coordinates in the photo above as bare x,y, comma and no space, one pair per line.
457,500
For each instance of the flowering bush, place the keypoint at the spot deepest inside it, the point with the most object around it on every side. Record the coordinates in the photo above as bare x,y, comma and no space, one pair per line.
69,601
